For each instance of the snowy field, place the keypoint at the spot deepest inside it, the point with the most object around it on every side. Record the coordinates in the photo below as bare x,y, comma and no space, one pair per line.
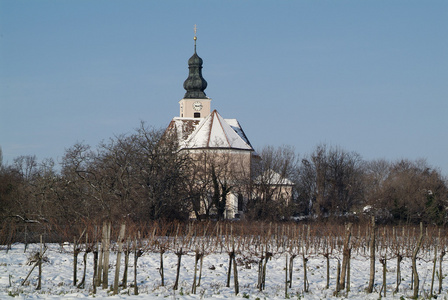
57,277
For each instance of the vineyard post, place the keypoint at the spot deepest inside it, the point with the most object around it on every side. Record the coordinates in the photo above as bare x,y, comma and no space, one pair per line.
196,259
231,255
84,259
305,237
126,262
345,256
433,269
100,250
235,274
137,253
286,276
161,269
32,269
260,271
200,265
291,266
442,254
179,259
39,284
372,255
399,258
414,262
95,263
348,269
338,276
75,260
117,264
383,262
106,251
26,238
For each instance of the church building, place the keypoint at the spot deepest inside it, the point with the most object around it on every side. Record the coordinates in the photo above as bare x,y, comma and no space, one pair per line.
222,152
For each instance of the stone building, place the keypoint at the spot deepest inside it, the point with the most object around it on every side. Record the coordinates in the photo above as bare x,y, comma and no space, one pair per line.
223,155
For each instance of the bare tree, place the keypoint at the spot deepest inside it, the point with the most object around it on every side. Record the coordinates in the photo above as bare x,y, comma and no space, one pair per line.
331,180
272,184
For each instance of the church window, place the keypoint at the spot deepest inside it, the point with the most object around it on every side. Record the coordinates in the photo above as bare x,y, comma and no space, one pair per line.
197,115
240,202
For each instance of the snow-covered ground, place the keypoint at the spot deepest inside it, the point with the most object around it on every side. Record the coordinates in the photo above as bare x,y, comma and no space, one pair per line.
58,275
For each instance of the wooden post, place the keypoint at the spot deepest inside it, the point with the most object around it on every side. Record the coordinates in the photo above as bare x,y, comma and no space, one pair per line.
117,264
179,259
196,259
286,276
106,252
75,260
99,271
235,275
39,284
414,262
83,280
338,271
126,262
433,270
383,262
95,266
137,254
372,256
346,256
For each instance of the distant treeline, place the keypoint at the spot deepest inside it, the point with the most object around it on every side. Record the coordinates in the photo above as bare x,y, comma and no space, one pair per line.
138,177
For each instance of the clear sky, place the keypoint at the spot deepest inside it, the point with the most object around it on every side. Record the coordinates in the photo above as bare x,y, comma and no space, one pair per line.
367,76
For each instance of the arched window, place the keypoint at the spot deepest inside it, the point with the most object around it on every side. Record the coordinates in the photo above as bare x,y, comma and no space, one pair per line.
240,202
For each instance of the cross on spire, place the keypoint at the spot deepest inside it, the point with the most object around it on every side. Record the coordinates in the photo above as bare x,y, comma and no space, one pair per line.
195,38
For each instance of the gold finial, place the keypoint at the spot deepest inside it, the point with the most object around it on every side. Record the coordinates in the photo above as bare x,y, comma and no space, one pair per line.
195,29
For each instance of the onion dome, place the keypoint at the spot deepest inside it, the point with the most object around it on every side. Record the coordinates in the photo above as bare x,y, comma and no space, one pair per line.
195,84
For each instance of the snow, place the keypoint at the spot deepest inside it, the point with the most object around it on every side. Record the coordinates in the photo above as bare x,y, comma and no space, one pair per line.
57,276
215,132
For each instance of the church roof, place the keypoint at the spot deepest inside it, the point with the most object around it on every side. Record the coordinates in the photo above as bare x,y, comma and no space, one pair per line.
211,132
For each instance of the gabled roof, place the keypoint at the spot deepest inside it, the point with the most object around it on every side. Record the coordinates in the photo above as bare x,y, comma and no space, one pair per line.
212,131
272,178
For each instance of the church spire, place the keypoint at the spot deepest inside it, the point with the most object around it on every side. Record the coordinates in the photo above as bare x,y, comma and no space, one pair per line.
195,84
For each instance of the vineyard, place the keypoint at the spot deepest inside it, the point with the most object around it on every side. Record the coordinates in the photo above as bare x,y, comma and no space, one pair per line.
223,260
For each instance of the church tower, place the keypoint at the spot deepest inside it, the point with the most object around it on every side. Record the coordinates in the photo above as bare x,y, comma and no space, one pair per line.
195,103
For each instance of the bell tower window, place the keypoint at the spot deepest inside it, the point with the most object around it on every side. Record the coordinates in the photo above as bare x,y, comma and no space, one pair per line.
197,115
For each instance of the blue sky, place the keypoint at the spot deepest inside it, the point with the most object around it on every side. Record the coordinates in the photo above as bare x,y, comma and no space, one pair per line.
366,76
